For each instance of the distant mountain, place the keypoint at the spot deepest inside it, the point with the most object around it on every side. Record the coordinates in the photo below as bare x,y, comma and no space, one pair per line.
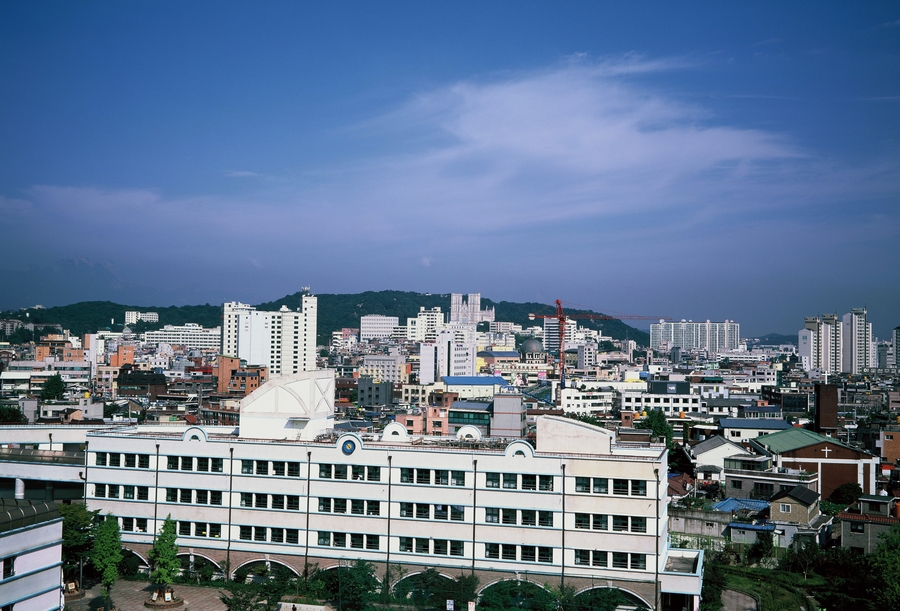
772,339
335,312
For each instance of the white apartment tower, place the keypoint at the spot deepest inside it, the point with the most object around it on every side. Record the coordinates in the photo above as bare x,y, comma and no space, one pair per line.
690,335
551,333
284,341
820,343
446,356
857,332
425,326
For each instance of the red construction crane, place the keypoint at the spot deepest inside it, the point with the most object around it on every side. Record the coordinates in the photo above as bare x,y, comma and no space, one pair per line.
560,318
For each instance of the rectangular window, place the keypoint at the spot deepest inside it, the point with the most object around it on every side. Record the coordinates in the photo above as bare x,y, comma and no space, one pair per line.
545,518
582,484
508,516
324,538
340,472
620,486
600,559
492,480
130,461
601,485
293,502
406,544
325,471
508,551
140,525
293,536
510,481
262,467
638,525
785,508
620,523
246,499
457,548
528,553
259,533
492,515
357,507
457,513
293,470
100,459
440,547
423,476
529,517
171,495
545,483
340,506
215,497
357,541
201,529
857,527
638,487
373,508
112,491
423,511
202,464
582,557
441,477
639,561
441,512
545,554
247,467
492,550
277,535
529,482
423,546
115,459
600,522
406,475
217,465
144,461
202,497
373,474
457,478
357,472
277,501
143,493
184,495
373,542
184,529
620,560
128,524
406,510
278,468
583,520
172,463
737,484
187,463
339,540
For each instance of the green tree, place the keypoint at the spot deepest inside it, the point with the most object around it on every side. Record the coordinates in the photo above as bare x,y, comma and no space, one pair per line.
352,588
713,582
517,594
164,562
761,548
801,558
846,494
77,534
658,425
11,414
885,563
106,553
241,597
54,388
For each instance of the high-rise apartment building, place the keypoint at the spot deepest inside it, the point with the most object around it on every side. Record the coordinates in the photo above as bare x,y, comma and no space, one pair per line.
376,326
283,341
857,331
820,343
425,326
551,334
445,356
690,335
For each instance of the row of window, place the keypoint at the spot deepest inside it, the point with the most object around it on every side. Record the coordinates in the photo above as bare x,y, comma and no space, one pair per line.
199,529
525,553
187,463
291,502
511,481
134,525
357,506
600,485
200,497
279,468
440,547
273,535
111,491
423,511
529,517
353,472
620,560
114,459
596,521
442,477
355,540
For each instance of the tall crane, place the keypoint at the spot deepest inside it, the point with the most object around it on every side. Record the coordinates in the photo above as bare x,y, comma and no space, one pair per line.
560,317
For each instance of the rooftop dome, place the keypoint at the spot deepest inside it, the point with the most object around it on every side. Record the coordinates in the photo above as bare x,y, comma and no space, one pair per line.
530,346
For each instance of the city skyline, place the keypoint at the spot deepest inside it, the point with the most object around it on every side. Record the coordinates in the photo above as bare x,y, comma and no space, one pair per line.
717,163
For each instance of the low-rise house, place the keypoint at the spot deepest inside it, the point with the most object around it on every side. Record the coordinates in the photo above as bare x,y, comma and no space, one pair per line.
868,518
797,516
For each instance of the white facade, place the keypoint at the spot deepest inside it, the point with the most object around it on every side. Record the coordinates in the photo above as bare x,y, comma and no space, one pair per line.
857,341
30,556
587,401
820,343
425,326
468,309
551,334
132,317
284,341
446,357
295,406
376,326
190,335
689,335
582,505
385,367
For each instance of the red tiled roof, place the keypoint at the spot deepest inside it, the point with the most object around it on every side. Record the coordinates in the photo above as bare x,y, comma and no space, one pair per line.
867,517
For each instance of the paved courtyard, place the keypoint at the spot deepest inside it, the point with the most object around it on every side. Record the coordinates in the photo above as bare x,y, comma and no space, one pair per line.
130,596
737,601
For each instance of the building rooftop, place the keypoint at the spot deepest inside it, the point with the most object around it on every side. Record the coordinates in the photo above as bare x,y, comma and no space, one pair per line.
474,381
799,493
754,423
16,513
733,504
796,438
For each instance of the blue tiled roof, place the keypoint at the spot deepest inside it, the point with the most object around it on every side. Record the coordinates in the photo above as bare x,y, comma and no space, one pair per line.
503,353
733,504
474,380
749,526
755,423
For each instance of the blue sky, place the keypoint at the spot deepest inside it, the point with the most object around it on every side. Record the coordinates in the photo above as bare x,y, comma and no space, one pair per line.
702,161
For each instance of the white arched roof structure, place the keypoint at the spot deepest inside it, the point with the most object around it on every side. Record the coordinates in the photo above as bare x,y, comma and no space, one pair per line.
295,406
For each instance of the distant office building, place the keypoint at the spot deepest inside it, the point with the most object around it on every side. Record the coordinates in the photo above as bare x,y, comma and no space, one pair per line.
468,309
857,340
376,326
820,343
895,343
190,335
133,317
425,326
446,357
689,335
551,334
283,341
386,367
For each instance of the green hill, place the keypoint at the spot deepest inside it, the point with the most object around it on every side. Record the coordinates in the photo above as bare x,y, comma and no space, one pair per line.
335,312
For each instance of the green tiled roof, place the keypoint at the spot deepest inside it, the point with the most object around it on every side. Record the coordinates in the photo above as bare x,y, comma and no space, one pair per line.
794,438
